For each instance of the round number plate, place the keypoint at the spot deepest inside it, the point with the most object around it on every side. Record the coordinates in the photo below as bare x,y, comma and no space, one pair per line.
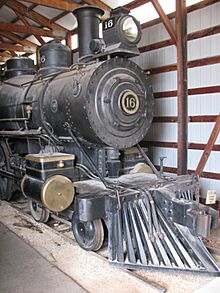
130,102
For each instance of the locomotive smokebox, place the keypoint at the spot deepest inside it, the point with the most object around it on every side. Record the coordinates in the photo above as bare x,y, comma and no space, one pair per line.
88,18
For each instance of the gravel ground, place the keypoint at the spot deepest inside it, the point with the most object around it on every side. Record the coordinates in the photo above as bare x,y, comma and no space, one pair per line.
89,269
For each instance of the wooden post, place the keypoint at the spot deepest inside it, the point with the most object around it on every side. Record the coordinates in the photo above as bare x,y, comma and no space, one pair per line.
69,40
181,31
38,57
208,147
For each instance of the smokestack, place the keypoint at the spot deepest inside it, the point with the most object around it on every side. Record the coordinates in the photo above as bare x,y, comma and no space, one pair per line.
88,18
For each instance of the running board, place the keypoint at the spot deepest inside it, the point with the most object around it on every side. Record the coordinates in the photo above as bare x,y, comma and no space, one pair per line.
142,237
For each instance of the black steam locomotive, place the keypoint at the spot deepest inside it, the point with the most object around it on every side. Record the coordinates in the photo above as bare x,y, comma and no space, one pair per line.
69,140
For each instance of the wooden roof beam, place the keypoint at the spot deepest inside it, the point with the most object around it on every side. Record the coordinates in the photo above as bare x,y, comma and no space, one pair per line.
2,3
21,17
13,54
15,11
11,27
99,4
66,5
40,40
135,4
5,54
26,23
165,20
31,7
64,13
62,5
59,16
27,49
16,39
3,60
35,16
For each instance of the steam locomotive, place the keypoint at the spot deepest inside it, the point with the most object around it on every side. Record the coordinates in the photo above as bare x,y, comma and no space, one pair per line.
69,141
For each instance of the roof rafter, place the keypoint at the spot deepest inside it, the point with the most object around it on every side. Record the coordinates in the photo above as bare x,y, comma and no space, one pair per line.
31,30
13,54
5,54
3,60
165,20
135,4
21,17
40,40
28,9
26,23
98,3
59,16
66,5
35,16
2,3
8,54
16,39
27,49
62,5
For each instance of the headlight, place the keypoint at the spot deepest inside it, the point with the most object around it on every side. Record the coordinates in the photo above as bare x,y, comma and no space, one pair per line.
130,29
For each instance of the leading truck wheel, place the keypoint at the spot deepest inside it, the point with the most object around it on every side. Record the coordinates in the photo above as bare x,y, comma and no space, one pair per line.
89,235
39,213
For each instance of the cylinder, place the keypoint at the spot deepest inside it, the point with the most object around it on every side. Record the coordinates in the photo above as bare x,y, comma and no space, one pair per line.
56,193
88,18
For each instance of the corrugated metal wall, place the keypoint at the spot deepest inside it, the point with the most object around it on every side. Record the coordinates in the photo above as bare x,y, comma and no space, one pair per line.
206,104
